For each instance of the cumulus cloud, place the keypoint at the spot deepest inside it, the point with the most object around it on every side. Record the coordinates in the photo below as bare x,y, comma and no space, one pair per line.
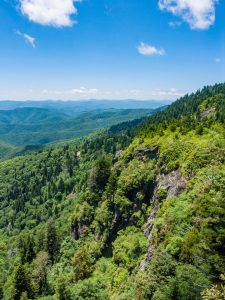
83,90
170,93
28,39
57,13
148,50
75,91
199,14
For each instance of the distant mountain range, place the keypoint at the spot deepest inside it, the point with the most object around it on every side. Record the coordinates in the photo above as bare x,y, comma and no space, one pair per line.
29,128
29,115
77,107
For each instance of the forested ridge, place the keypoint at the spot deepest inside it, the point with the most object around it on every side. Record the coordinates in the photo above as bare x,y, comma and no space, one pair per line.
136,211
28,129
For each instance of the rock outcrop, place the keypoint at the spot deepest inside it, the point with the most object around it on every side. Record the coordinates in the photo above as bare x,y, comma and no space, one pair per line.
172,184
208,113
151,152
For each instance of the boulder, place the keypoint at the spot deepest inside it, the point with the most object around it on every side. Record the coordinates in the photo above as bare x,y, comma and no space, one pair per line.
151,152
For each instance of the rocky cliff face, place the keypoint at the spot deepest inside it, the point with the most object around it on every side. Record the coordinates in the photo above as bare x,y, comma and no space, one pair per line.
167,186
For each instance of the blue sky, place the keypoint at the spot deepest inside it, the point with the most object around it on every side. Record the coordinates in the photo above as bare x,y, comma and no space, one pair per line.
110,49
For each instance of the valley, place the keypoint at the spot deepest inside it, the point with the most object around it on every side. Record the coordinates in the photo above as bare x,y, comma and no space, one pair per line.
31,128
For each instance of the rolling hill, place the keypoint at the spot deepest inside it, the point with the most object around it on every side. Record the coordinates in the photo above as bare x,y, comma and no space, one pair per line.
31,128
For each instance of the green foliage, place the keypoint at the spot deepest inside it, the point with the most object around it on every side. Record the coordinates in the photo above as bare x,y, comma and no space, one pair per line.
190,282
112,216
100,174
22,284
129,247
52,241
174,245
27,129
38,270
89,289
215,292
84,260
160,273
62,292
26,248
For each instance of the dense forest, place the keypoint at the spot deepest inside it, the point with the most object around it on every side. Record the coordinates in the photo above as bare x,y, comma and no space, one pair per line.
136,211
29,129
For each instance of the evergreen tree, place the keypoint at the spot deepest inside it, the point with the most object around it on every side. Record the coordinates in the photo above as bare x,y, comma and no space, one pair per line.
26,248
100,174
61,185
39,269
30,253
1,290
52,241
21,283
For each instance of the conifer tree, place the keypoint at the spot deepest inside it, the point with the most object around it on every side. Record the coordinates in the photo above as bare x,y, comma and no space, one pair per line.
30,253
100,174
21,283
52,241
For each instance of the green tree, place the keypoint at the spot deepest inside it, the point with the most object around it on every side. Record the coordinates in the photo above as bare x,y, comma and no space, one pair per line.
61,290
24,296
1,290
216,292
128,248
21,283
30,253
190,282
84,260
52,241
100,174
82,263
39,269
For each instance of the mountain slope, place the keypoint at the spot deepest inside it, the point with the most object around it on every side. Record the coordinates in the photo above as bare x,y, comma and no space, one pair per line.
131,213
6,150
34,126
29,129
29,116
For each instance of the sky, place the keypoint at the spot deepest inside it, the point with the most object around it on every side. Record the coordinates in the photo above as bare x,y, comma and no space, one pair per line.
110,49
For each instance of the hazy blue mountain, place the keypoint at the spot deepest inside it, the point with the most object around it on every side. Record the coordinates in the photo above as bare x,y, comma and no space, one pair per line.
29,115
77,107
27,129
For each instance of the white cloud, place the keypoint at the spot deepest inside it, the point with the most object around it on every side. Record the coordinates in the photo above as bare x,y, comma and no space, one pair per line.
199,14
85,93
76,91
149,50
83,90
28,39
138,93
168,94
55,13
217,60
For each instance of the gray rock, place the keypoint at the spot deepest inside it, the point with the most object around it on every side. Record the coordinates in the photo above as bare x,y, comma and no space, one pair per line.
174,184
207,113
151,152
